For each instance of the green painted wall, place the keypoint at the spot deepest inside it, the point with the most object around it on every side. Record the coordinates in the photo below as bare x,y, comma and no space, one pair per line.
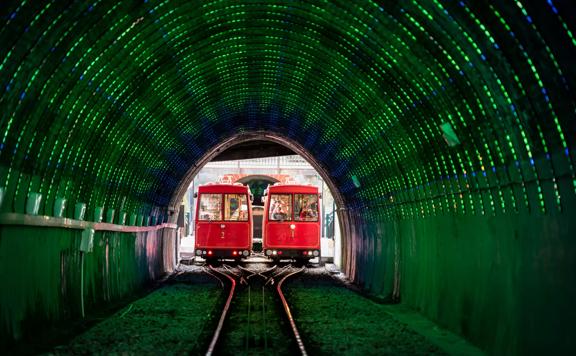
507,283
40,273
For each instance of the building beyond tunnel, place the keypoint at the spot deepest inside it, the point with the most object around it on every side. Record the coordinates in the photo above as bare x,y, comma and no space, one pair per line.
445,129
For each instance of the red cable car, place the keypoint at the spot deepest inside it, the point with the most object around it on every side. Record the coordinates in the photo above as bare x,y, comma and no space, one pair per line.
292,222
223,226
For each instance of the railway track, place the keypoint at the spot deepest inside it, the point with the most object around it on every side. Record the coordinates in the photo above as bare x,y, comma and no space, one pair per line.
256,318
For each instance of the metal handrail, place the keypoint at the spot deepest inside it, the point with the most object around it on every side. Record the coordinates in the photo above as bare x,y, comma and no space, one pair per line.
50,221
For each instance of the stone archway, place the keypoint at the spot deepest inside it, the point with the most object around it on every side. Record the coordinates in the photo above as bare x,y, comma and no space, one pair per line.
347,231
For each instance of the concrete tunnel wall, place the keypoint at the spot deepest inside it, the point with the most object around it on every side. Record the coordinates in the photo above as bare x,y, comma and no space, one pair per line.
447,127
41,272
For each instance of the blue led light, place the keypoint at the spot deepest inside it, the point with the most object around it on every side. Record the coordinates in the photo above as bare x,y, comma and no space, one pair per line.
554,9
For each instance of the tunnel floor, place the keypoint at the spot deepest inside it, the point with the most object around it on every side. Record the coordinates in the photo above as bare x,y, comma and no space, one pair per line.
333,318
336,319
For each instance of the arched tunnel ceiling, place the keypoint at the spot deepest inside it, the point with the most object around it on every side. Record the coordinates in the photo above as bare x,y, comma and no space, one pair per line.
110,103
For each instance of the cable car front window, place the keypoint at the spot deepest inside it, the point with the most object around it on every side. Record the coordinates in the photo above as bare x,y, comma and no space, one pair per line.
235,207
306,207
210,207
280,207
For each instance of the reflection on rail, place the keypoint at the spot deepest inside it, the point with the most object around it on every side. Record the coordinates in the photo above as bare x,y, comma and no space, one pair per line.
224,310
289,314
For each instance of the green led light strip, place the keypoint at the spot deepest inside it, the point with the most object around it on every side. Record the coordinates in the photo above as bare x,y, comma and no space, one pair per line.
109,103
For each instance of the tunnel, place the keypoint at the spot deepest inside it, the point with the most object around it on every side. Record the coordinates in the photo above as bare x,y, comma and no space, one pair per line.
445,129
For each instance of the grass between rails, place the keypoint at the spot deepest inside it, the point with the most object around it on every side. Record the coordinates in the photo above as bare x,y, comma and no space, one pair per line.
256,324
334,320
173,320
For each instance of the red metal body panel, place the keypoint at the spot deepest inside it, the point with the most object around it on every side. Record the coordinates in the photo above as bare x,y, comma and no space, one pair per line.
219,234
279,235
235,235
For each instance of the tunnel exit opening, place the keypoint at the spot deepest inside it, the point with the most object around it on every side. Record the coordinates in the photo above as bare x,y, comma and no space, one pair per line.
335,224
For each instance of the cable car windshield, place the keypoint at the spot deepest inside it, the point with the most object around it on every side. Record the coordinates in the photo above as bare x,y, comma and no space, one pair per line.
210,207
235,207
306,207
280,207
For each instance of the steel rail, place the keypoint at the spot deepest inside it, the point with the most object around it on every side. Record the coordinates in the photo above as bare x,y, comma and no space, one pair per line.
289,313
215,276
230,270
224,312
256,273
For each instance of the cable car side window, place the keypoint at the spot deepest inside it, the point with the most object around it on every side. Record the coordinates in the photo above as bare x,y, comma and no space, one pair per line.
235,207
306,207
210,207
280,207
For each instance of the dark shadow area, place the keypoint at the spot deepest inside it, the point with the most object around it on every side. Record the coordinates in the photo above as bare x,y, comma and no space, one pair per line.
253,149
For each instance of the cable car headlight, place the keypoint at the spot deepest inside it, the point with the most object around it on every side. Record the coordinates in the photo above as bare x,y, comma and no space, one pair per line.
268,252
198,252
316,253
245,253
